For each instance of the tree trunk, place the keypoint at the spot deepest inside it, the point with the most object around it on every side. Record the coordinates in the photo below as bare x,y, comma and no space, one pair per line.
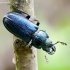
25,58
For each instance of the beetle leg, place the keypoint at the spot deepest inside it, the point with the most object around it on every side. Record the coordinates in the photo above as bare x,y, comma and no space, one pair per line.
37,22
30,45
28,16
21,11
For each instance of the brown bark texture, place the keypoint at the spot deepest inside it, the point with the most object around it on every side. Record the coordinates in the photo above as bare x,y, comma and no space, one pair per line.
25,58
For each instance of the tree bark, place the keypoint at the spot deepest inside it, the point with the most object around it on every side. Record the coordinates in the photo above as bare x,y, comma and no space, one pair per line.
25,58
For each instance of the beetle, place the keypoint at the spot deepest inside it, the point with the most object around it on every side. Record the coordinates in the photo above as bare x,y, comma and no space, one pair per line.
25,29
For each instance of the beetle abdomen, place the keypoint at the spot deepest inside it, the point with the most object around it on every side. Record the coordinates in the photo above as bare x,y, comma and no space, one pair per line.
19,26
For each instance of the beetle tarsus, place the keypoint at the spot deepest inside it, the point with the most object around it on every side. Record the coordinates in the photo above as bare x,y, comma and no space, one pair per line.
38,23
28,17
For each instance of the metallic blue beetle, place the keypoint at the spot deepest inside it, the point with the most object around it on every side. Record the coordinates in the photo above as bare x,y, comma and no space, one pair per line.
25,29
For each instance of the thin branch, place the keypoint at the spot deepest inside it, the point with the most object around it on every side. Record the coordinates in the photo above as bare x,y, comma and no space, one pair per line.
24,57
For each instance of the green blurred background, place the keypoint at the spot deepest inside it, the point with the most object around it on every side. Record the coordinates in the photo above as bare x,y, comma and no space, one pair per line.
54,16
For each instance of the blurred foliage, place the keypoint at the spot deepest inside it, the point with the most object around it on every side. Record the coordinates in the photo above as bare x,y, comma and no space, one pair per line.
61,59
54,17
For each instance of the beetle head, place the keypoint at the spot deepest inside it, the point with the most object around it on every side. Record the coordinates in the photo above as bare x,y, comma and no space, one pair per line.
49,47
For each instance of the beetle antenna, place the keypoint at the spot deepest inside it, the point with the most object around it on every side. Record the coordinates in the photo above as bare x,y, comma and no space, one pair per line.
46,59
60,42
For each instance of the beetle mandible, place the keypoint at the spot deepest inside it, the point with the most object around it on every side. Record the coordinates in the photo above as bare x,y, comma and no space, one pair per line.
25,29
